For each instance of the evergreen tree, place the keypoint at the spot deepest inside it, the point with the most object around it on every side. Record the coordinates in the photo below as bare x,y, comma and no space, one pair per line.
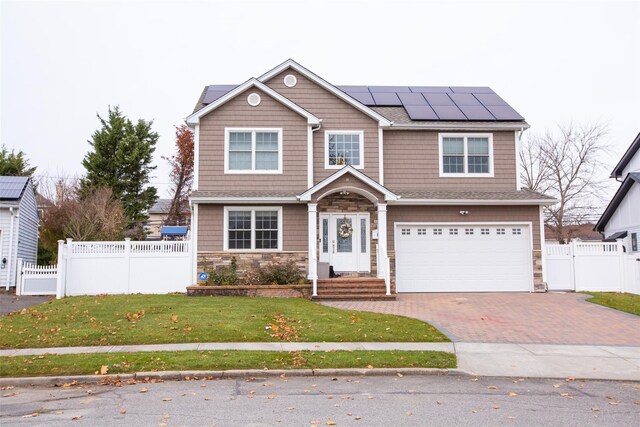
120,159
14,164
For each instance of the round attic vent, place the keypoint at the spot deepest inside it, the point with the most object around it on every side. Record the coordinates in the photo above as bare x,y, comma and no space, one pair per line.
290,80
254,99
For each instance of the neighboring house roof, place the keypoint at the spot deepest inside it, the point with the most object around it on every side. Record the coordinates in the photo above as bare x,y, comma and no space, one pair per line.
631,179
388,194
12,187
626,158
582,232
398,106
161,206
195,117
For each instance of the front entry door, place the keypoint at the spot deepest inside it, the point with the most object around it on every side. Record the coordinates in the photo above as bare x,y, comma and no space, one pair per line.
344,241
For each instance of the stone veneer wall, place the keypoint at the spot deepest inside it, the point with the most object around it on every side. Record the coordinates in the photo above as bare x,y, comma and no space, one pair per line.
352,203
248,260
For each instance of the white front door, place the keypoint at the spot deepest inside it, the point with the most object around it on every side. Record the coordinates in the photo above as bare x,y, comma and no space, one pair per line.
345,241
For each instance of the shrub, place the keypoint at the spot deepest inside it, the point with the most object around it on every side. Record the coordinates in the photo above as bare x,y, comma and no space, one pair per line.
280,274
226,275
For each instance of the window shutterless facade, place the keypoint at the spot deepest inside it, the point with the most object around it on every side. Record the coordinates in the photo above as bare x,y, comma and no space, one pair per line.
344,148
253,151
466,155
252,228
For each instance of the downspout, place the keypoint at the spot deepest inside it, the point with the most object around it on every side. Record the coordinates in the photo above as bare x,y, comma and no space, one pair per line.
9,257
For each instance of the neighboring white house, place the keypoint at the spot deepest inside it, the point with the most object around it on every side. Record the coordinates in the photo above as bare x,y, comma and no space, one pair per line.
621,219
18,226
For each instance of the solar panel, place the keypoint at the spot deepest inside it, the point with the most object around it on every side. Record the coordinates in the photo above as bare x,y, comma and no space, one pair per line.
363,97
438,99
461,99
387,89
490,99
412,99
420,112
476,112
211,96
388,99
448,112
431,89
471,89
11,186
504,112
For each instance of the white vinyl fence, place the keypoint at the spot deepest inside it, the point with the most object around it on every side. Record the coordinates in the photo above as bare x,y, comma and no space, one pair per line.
36,279
592,266
93,268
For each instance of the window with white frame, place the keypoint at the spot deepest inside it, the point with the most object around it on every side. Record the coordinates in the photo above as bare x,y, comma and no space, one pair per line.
344,148
256,228
253,150
466,155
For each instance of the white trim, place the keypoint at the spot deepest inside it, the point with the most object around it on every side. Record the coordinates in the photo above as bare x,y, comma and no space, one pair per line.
309,156
194,118
327,133
196,156
254,99
253,210
360,191
330,256
380,156
290,80
253,169
466,137
312,237
467,126
194,244
290,63
388,195
529,224
204,199
437,202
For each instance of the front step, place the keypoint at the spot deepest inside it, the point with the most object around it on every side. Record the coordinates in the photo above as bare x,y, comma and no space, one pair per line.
353,288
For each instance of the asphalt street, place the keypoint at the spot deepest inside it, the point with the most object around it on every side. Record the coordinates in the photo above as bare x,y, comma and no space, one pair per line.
321,401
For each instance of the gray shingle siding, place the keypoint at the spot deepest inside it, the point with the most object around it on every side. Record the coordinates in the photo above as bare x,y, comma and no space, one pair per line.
28,226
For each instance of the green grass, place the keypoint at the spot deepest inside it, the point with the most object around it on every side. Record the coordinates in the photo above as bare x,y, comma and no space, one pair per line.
157,319
118,363
629,303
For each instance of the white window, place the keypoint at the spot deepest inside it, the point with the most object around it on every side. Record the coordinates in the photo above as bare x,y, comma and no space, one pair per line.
422,231
468,231
500,231
453,231
466,155
344,148
437,231
252,228
516,231
406,231
484,231
253,151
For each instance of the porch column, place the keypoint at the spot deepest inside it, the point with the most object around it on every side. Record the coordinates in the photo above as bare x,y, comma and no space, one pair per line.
382,245
313,242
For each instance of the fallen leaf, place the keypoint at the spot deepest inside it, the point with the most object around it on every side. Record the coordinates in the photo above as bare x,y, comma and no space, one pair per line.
206,398
513,394
637,402
331,423
357,418
438,402
330,397
569,379
492,387
474,379
615,403
556,386
35,414
144,390
8,395
174,318
370,366
408,413
104,369
567,395
291,408
123,411
595,409
166,416
167,399
496,407
511,417
400,375
77,417
271,396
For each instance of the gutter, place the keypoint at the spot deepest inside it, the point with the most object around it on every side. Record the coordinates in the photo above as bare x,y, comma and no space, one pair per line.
475,202
462,126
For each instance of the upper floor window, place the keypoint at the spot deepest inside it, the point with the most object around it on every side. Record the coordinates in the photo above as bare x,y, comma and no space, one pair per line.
253,151
344,148
466,155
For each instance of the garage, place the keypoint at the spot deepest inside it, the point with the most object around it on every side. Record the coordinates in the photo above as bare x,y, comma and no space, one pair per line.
463,257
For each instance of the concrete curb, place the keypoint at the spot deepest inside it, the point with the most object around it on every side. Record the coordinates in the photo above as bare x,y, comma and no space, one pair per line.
235,373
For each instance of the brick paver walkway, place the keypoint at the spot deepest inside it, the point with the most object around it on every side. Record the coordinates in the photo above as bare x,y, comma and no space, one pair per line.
550,318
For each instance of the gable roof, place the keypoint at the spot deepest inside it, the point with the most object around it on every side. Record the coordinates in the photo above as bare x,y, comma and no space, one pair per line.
290,63
12,187
348,169
194,118
631,179
626,157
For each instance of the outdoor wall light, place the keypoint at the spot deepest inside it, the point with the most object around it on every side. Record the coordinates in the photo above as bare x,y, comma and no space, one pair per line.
464,213
344,193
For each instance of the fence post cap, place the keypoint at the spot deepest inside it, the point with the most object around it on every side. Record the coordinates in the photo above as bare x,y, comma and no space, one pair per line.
127,239
69,240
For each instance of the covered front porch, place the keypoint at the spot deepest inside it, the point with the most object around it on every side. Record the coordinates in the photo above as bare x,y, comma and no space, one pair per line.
347,233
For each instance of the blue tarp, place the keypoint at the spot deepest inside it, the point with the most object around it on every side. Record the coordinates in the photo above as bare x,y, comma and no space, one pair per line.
173,230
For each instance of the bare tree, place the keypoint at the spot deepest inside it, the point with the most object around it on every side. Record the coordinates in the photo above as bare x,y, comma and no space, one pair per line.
570,165
182,168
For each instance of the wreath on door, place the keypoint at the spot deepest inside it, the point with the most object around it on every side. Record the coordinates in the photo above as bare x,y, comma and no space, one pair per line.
345,230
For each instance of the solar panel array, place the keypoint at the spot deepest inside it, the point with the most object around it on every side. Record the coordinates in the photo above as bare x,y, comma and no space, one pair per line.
11,186
451,103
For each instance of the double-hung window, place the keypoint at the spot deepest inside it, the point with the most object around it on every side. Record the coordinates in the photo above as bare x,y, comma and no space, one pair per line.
466,155
253,228
253,151
344,148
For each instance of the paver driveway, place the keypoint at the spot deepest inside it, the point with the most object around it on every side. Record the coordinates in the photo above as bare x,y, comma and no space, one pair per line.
549,318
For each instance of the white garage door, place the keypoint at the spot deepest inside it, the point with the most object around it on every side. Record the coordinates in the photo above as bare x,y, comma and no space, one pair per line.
463,258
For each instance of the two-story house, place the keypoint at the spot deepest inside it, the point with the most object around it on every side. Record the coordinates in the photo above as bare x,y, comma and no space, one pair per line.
414,185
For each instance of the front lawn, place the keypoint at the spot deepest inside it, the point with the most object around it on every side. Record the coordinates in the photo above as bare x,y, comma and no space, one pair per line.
623,302
156,319
119,363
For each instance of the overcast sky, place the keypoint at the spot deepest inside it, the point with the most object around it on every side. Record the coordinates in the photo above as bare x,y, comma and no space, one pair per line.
63,62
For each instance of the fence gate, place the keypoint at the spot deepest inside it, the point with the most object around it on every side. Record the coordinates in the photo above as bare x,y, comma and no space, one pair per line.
36,279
